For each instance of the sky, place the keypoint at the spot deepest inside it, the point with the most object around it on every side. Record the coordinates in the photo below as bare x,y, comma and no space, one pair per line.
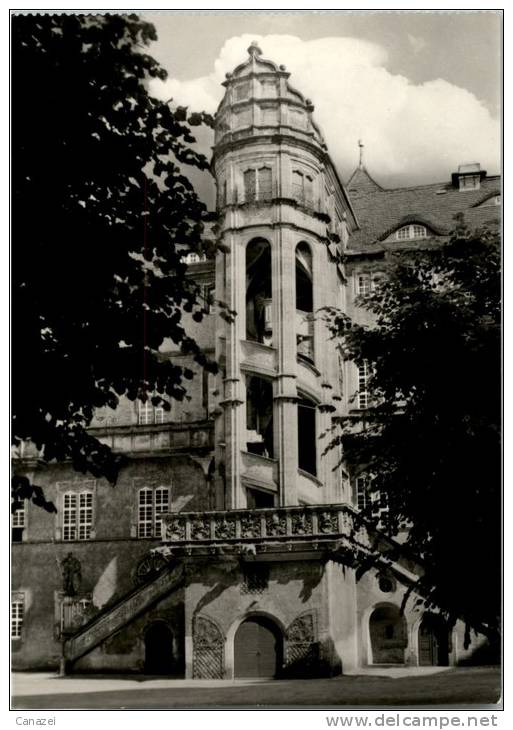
421,89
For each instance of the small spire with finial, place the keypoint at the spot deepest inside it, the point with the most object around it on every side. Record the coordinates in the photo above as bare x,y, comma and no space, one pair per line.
361,146
254,49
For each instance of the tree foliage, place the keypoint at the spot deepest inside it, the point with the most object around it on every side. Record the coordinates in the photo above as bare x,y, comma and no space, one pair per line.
102,213
430,442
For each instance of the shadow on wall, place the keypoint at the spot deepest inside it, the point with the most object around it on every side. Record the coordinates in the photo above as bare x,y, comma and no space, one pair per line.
318,659
488,654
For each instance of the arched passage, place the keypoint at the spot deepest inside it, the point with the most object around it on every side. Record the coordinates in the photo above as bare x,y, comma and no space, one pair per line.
433,641
388,636
158,649
258,648
259,326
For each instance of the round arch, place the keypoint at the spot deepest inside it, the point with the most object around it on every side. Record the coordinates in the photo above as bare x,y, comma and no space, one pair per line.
267,620
158,641
387,634
258,268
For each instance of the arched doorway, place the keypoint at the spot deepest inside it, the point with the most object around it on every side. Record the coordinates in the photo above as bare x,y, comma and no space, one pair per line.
158,649
433,641
388,635
258,648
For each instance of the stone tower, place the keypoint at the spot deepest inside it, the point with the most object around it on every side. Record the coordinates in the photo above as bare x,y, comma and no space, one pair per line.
283,216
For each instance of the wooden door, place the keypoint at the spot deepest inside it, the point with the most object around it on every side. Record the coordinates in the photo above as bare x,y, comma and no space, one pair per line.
257,649
433,642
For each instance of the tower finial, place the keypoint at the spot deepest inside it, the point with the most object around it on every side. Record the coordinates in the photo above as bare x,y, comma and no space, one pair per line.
361,146
254,49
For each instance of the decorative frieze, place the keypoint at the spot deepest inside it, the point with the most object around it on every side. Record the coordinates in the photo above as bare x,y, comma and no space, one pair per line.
283,524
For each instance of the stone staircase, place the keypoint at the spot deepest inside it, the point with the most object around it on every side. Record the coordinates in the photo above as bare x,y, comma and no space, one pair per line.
127,609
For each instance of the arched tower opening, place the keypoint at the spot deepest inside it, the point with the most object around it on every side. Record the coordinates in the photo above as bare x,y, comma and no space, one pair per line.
259,326
304,302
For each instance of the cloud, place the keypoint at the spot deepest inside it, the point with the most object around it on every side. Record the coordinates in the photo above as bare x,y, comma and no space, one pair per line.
417,44
412,132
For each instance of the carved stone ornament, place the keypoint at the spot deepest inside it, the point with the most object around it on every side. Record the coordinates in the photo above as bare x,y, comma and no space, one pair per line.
302,630
276,525
206,633
250,526
175,529
328,522
225,529
149,567
208,653
200,529
301,524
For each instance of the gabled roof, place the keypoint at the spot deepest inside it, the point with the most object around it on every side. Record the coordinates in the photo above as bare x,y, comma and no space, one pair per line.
380,211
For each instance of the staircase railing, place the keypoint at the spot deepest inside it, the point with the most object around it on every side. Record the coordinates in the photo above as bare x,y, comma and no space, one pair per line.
124,611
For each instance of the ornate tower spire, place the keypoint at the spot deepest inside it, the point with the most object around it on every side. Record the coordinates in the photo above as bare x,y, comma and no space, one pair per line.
361,146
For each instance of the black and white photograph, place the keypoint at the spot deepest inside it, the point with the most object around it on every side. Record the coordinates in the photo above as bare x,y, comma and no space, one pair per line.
256,361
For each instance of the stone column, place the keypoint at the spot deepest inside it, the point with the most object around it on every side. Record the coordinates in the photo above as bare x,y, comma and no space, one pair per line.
284,339
233,398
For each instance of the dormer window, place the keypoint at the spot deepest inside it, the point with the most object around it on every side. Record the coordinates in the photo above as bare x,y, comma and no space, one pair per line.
491,202
406,233
468,177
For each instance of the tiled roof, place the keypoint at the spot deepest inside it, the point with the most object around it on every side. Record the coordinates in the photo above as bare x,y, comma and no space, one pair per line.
361,182
381,211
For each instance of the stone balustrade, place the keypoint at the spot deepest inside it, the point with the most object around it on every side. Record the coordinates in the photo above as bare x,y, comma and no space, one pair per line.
275,524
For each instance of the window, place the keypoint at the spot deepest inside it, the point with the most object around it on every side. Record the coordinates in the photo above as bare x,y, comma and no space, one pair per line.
470,182
258,184
268,88
149,414
361,492
242,118
17,615
269,116
77,516
307,436
367,497
365,283
152,502
363,377
241,91
411,231
18,524
302,187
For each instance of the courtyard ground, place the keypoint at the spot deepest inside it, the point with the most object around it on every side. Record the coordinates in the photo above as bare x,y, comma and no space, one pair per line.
449,687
